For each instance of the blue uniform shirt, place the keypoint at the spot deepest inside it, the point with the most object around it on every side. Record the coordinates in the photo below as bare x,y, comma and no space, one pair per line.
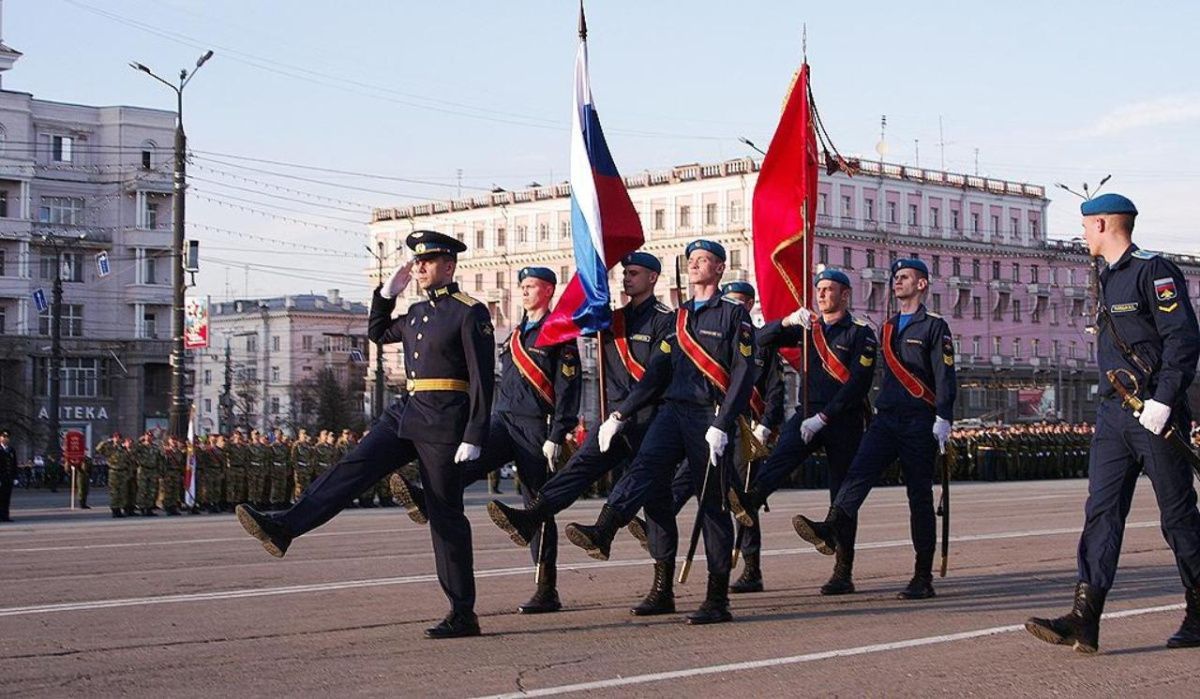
1146,297
560,364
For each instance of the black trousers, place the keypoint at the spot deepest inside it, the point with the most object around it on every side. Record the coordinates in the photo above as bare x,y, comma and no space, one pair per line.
6,488
380,452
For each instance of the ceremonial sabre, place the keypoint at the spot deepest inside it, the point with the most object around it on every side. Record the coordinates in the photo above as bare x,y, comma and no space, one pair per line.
695,540
1129,399
944,510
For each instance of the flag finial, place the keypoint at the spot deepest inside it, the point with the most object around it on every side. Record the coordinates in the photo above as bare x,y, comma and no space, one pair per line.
803,40
582,23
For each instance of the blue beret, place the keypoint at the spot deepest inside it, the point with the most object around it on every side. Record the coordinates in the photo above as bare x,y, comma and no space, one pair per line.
1108,204
544,273
833,275
738,288
426,243
910,263
643,259
706,245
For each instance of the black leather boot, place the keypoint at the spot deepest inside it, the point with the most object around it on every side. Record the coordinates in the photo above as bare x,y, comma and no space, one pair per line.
1080,627
521,525
822,535
1188,635
842,580
661,598
637,529
83,504
921,585
149,512
274,537
751,577
715,607
411,498
455,625
117,513
545,597
595,539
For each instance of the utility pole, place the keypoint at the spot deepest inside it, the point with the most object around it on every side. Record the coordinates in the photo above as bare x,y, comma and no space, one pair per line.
377,395
266,319
179,413
53,444
227,392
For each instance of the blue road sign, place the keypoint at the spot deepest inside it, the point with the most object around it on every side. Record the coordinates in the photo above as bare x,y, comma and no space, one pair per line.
102,268
39,300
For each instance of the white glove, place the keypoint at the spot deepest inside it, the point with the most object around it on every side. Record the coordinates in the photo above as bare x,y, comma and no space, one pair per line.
466,452
941,432
609,429
810,427
762,433
551,450
1154,416
717,441
800,316
398,282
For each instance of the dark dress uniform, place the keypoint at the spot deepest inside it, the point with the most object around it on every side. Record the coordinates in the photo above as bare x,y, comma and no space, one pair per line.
722,327
1148,307
448,356
8,473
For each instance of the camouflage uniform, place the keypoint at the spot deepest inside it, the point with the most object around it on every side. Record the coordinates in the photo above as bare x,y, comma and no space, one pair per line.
280,469
235,473
174,462
304,465
148,459
120,472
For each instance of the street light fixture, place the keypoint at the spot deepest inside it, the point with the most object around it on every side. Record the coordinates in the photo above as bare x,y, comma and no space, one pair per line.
179,404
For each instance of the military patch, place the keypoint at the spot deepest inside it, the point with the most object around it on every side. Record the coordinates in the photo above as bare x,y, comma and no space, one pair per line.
745,349
1164,289
866,361
918,343
948,359
1168,309
711,333
486,328
1145,254
1123,307
640,338
568,370
665,347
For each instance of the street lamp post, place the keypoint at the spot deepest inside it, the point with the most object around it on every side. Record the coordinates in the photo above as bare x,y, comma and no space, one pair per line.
179,404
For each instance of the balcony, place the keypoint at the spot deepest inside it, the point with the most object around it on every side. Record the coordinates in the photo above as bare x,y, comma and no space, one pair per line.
1001,362
1075,292
959,282
875,274
1000,285
1038,289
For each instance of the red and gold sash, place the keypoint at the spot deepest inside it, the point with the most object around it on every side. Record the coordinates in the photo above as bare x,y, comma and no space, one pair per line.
635,369
911,383
829,360
529,368
716,374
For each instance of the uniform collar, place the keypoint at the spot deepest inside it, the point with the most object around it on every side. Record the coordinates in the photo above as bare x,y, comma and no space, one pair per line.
707,304
631,309
917,316
1124,259
439,292
842,322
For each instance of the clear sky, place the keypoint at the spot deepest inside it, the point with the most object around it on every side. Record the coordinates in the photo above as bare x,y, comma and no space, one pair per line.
1064,91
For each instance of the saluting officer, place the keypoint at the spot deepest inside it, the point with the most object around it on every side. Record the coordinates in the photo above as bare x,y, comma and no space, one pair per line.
840,368
640,332
1147,327
914,410
710,364
538,385
441,421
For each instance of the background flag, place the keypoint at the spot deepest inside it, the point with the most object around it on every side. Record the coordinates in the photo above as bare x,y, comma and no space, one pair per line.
189,471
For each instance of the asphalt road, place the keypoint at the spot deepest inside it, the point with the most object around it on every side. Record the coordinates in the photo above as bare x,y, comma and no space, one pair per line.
192,606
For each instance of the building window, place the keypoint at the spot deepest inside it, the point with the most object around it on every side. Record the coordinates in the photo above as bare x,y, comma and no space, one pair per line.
563,274
71,324
934,218
936,261
735,211
735,259
822,204
522,233
1016,348
1034,228
149,325
208,405
67,211
1074,347
252,343
995,224
846,206
995,269
1054,314
149,270
81,377
500,280
274,343
3,321
1016,308
564,229
685,216
62,149
3,204
501,237
870,258
543,232
147,160
1014,225
937,303
478,281
660,219
1033,274
954,220
974,223
847,258
1054,349
869,209
891,212
1036,347
274,373
208,377
912,214
975,346
955,266
306,343
823,254
1016,271
977,308
479,239
710,214
274,405
975,270
996,346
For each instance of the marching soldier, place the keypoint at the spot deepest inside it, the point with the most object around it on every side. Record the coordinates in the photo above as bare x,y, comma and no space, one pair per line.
8,472
914,409
148,460
324,453
710,364
1147,334
303,462
840,367
119,473
641,331
537,404
442,421
281,453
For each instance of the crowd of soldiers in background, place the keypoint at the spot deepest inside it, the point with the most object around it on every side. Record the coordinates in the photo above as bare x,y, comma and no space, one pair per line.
268,472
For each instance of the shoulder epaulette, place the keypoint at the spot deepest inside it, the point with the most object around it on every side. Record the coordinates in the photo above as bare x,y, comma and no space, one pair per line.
466,298
861,323
1145,254
931,314
726,299
662,307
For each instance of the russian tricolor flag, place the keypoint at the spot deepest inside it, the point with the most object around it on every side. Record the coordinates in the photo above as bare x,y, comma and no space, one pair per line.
604,225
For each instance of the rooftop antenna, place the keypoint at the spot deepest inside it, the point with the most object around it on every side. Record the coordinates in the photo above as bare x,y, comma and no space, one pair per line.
942,143
917,150
882,147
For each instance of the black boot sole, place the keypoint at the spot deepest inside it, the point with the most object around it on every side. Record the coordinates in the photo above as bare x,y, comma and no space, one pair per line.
254,529
403,495
1191,641
1043,632
805,531
830,590
653,611
540,608
709,619
436,635
637,529
500,519
583,541
746,588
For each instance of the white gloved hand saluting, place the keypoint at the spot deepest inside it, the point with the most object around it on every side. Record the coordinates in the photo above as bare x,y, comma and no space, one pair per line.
941,432
762,433
717,441
551,450
609,429
1154,416
466,452
398,282
810,427
801,316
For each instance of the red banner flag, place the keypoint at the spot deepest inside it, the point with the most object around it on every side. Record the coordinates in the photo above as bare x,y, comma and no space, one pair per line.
785,208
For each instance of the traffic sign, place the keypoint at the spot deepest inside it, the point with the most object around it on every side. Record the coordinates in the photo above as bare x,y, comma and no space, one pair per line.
39,300
102,267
